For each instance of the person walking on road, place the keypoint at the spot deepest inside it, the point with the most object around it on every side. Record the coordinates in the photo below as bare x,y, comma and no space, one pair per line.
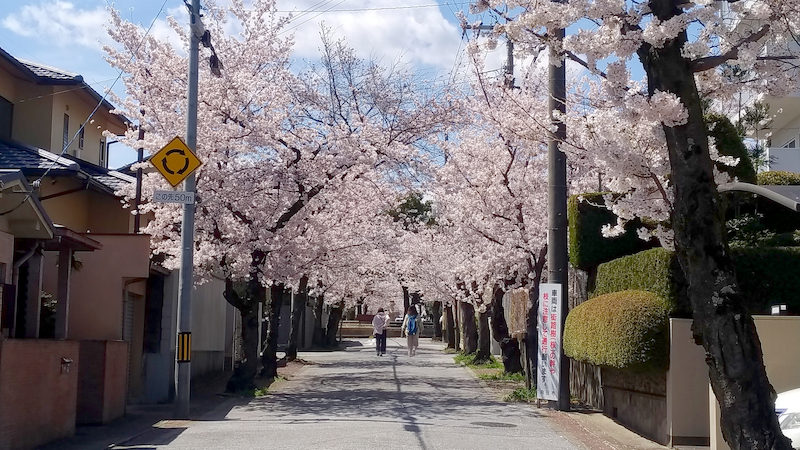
379,324
412,324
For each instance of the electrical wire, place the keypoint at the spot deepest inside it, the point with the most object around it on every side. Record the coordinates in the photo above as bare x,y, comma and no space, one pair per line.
85,86
312,18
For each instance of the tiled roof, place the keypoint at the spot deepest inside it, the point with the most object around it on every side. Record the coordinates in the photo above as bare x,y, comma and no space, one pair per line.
109,178
33,161
14,155
47,73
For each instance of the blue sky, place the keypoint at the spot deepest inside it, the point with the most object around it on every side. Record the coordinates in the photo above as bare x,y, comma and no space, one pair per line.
70,34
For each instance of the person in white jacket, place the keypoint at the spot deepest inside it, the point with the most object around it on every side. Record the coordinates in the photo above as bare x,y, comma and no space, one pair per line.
412,326
379,324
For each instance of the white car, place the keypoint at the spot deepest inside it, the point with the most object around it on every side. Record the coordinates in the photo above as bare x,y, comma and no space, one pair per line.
787,406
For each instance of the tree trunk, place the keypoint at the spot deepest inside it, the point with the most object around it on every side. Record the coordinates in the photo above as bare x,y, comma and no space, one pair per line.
456,313
508,346
436,312
531,335
298,309
244,375
245,372
333,324
406,299
484,351
538,265
318,337
469,330
721,322
269,357
450,328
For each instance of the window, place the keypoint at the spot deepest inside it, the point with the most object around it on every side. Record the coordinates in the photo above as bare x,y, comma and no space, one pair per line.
103,161
790,144
6,114
80,138
65,134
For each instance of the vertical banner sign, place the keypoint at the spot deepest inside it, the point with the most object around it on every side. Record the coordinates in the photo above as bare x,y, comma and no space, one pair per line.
549,348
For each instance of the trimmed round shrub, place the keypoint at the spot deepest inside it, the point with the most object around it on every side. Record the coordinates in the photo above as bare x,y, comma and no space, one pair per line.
779,177
624,330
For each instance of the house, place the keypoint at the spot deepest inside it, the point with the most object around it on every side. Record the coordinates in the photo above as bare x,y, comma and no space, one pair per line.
26,417
782,134
90,285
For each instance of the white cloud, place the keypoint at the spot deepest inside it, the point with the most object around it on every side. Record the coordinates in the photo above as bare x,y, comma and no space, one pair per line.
163,31
60,23
418,36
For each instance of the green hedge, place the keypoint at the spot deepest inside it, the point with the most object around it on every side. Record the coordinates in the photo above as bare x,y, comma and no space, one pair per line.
729,143
779,177
625,330
777,218
587,246
655,270
766,276
769,276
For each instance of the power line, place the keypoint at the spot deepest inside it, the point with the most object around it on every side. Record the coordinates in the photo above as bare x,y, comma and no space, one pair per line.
312,18
84,86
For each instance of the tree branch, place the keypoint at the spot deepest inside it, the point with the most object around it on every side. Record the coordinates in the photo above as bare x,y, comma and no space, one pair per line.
710,62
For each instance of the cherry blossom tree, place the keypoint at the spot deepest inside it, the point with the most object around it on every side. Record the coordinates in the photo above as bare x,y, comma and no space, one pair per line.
287,158
682,47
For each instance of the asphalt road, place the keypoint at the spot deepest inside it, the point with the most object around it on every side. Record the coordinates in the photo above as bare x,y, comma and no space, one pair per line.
357,400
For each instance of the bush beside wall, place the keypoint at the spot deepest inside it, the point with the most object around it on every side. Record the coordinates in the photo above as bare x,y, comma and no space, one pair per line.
779,177
769,276
587,246
655,270
766,276
624,330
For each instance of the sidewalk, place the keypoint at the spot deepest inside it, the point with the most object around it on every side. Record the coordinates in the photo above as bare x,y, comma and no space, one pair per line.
589,428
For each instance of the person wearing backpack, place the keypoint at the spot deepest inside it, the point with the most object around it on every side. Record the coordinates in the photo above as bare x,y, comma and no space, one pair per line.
412,325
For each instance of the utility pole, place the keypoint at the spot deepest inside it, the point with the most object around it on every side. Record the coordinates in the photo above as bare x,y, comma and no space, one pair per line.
137,219
184,369
557,270
509,63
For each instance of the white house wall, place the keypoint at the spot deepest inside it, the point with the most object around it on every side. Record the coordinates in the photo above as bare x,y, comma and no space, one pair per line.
210,336
208,327
787,121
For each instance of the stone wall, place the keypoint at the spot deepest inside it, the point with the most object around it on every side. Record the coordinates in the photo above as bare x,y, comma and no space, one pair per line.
638,401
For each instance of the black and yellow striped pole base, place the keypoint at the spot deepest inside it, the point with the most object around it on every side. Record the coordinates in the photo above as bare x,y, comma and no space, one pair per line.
184,351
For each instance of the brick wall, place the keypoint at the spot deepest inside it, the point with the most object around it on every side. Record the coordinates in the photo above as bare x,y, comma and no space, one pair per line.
38,393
